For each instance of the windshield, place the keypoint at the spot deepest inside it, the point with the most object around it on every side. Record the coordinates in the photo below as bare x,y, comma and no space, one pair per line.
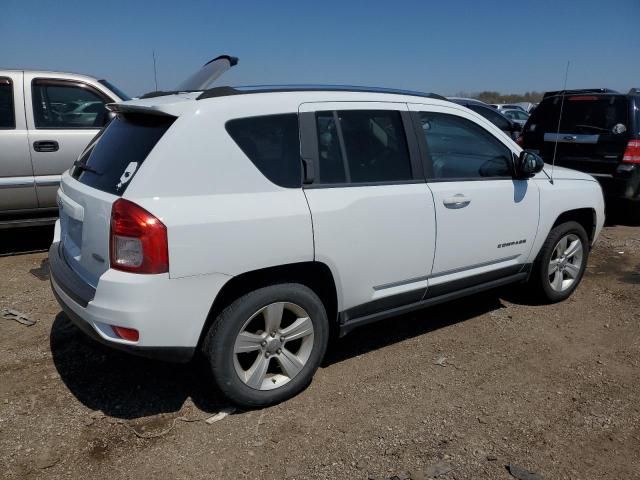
581,113
114,89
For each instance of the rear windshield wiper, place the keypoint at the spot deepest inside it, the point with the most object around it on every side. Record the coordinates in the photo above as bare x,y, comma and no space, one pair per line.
594,127
85,168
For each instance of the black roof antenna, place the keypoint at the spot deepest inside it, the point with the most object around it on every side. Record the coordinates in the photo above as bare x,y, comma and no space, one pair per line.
555,145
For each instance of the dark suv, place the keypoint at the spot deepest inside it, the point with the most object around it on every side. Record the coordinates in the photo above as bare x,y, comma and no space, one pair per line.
599,134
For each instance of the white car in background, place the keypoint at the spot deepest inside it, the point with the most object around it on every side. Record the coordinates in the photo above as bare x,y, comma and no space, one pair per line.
516,115
249,223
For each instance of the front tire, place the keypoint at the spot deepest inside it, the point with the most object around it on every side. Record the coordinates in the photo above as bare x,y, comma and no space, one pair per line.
266,346
561,263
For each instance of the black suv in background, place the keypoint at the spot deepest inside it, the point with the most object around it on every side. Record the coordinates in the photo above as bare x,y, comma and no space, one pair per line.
599,134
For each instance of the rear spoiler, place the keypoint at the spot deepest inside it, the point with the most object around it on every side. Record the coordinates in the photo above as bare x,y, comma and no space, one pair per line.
200,80
142,109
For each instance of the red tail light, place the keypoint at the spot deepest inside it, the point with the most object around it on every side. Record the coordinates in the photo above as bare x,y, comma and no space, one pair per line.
138,240
520,140
632,153
583,98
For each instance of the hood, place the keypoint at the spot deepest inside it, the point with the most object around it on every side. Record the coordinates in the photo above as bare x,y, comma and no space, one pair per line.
562,173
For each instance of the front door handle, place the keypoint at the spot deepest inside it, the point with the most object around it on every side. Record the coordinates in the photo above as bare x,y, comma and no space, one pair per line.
46,146
457,201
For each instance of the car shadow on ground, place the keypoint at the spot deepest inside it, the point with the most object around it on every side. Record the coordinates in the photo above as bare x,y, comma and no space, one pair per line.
122,385
19,241
396,329
129,387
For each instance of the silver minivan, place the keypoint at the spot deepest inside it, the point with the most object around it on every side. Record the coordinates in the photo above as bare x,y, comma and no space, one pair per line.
46,120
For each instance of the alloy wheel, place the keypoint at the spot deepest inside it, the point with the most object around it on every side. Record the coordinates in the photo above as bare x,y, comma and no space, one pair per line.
566,262
273,346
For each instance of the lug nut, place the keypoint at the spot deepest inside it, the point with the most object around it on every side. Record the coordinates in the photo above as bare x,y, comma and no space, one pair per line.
267,354
279,351
283,339
273,334
264,344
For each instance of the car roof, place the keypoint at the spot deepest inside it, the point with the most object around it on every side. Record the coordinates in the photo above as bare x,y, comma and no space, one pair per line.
47,73
177,103
226,91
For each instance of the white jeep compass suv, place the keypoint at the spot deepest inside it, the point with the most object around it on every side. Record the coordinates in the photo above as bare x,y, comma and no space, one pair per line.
249,223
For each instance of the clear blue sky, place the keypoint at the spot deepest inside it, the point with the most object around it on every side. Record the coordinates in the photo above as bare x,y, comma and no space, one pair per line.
442,46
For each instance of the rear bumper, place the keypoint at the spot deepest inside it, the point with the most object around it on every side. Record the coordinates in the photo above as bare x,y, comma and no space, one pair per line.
169,314
623,184
74,294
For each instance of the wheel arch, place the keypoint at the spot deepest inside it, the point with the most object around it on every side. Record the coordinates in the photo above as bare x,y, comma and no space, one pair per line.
584,216
315,275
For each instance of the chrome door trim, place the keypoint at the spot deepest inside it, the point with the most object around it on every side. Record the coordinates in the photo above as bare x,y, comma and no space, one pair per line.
16,182
570,138
47,180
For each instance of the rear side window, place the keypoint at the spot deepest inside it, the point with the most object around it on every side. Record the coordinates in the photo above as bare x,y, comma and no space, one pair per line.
7,112
584,114
362,146
112,158
272,143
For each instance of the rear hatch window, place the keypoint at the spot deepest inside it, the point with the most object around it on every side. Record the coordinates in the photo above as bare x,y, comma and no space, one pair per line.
112,159
585,114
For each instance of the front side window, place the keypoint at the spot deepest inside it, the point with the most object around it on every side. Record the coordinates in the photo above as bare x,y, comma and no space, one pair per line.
362,146
461,149
71,106
272,143
7,112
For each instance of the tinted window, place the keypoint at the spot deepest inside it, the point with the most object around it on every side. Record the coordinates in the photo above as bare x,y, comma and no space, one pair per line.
373,147
116,154
272,143
494,117
461,149
585,114
67,106
331,165
7,113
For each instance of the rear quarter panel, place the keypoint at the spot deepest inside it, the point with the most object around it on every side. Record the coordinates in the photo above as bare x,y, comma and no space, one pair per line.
222,214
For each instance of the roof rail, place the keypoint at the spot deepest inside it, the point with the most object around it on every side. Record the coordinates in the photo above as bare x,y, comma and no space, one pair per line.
249,89
634,91
578,91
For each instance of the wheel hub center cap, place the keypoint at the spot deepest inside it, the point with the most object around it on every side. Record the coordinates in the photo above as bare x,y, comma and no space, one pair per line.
273,345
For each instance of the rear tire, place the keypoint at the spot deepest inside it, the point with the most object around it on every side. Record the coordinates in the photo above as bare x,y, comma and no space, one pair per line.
560,265
266,346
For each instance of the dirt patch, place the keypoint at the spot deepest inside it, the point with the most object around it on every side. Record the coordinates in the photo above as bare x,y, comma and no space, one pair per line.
462,390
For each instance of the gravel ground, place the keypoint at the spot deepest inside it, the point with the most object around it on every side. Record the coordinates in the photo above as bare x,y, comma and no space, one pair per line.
459,391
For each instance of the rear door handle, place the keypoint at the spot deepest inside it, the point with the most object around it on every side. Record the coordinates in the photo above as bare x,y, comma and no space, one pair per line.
46,146
457,201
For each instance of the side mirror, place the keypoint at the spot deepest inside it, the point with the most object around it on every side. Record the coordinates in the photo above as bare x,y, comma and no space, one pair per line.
528,164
